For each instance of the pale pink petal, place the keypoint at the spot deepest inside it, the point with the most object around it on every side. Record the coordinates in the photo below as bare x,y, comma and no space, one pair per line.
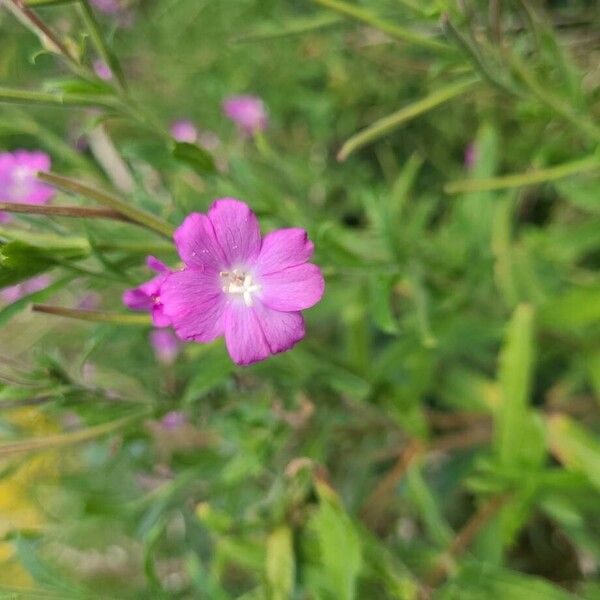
244,336
292,289
237,231
195,303
282,330
156,265
197,244
137,299
284,248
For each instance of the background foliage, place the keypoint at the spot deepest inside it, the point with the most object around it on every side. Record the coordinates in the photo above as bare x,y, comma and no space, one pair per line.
436,434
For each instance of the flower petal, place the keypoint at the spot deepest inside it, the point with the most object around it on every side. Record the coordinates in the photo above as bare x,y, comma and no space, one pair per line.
284,248
237,230
194,303
197,244
156,265
253,333
282,330
292,289
137,299
244,336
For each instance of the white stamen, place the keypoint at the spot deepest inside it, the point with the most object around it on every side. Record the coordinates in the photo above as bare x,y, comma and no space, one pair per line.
241,284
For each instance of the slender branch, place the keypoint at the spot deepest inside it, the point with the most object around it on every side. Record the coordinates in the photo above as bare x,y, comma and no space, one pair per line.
63,211
69,438
465,536
96,316
93,28
376,501
136,215
19,96
387,124
395,31
47,37
590,163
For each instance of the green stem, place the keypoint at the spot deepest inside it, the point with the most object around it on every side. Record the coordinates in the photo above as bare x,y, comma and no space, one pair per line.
395,31
47,37
590,163
543,94
19,96
38,3
93,28
387,124
136,215
95,316
469,49
63,211
52,442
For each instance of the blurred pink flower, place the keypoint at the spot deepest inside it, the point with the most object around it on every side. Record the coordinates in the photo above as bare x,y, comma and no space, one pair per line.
147,296
173,420
470,156
102,70
250,290
16,292
166,345
18,178
90,301
248,112
184,131
110,7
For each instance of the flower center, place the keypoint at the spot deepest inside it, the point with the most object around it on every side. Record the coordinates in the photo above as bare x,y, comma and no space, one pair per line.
239,283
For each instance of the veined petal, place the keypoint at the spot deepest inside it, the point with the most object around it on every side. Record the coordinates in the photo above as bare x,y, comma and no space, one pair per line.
237,231
197,244
282,330
194,302
252,333
292,289
284,248
244,337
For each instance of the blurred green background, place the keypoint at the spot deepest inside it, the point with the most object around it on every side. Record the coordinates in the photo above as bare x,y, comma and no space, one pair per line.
436,435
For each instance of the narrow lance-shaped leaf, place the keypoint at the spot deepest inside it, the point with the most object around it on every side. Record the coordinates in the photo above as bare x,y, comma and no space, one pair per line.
590,163
387,124
514,376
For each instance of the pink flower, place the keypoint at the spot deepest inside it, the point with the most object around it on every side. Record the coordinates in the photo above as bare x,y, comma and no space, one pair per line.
102,70
148,295
470,156
18,181
184,131
16,292
248,112
110,7
166,345
250,290
173,420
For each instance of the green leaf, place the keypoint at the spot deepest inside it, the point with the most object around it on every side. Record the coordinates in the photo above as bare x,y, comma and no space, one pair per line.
214,368
479,581
19,261
575,447
512,422
380,294
387,124
339,547
576,309
280,564
194,156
